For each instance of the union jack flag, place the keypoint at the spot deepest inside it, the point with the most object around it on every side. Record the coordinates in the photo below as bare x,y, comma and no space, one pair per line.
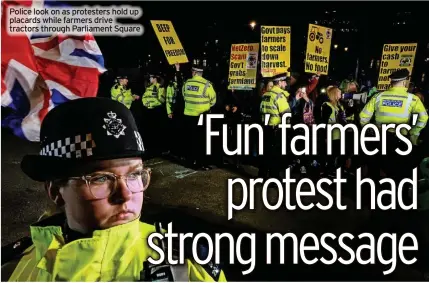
41,72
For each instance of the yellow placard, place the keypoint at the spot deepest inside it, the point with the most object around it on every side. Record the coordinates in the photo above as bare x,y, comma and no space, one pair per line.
395,57
243,66
318,49
170,42
275,50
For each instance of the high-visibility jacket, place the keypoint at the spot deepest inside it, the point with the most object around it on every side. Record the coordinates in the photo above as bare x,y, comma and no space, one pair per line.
395,106
199,96
114,254
274,102
336,134
122,94
153,96
171,97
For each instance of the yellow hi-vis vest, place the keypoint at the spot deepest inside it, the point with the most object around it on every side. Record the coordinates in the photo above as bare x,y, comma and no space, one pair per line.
395,106
154,96
121,94
199,96
171,97
336,134
114,254
274,102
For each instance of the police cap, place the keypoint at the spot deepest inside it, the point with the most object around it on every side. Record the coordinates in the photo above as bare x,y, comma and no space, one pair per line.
155,74
280,77
120,77
399,75
197,68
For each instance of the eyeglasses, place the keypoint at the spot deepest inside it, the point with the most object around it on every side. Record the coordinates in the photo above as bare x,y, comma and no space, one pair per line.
103,185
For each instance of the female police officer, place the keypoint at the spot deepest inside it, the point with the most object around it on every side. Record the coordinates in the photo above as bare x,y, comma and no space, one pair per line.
91,163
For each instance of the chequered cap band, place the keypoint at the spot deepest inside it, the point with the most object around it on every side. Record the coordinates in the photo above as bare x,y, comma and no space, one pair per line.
398,79
73,147
280,79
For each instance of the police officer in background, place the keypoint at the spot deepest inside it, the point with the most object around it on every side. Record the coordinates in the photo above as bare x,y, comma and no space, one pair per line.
274,102
154,113
395,106
121,93
174,105
200,97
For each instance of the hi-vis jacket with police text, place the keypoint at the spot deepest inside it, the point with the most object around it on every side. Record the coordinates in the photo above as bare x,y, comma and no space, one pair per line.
171,97
395,106
199,96
274,102
122,94
115,254
153,96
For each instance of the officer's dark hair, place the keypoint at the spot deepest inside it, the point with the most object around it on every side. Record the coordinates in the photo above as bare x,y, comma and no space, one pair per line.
276,82
160,81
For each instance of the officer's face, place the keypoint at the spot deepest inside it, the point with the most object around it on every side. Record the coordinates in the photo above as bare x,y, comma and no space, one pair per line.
152,80
86,213
283,84
123,82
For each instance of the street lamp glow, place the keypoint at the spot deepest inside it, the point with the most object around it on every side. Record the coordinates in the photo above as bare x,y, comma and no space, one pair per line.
336,46
252,24
346,48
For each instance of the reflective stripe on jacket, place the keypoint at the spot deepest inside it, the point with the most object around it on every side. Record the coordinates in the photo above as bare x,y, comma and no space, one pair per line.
395,106
199,96
153,96
274,102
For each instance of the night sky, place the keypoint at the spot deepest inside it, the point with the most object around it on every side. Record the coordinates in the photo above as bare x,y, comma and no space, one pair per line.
370,24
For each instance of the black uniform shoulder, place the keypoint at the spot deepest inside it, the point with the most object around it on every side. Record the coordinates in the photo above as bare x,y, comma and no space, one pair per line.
211,268
16,249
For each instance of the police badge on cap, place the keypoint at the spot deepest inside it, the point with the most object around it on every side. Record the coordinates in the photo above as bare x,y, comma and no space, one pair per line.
81,131
280,77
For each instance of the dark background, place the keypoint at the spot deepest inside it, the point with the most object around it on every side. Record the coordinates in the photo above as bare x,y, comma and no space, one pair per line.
207,30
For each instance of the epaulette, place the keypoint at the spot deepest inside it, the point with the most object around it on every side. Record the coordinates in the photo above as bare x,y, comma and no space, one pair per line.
15,250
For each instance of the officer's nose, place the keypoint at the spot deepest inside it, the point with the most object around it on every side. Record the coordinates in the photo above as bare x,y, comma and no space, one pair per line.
122,193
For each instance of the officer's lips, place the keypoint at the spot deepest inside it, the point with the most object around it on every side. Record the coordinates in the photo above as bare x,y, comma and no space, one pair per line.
125,215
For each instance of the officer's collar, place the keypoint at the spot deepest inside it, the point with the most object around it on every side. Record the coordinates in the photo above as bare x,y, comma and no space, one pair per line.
400,88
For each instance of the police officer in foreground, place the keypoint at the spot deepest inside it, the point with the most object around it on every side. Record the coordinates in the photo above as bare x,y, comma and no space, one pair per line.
200,97
93,171
120,92
274,102
395,106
